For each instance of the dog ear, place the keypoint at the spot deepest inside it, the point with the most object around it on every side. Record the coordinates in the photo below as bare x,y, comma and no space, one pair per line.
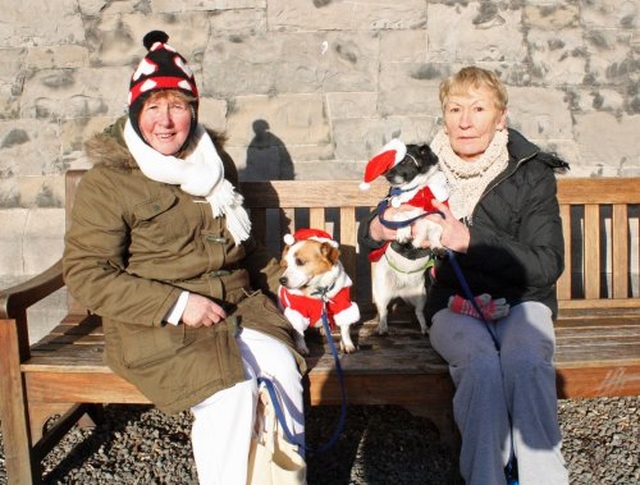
330,252
426,152
283,261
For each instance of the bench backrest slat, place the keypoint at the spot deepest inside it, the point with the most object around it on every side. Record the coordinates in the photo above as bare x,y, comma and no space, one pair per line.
620,255
600,226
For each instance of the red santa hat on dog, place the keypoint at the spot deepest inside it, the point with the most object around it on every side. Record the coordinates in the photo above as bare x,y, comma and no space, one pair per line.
390,155
313,234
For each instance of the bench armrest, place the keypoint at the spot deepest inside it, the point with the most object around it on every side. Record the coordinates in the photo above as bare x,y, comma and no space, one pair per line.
15,300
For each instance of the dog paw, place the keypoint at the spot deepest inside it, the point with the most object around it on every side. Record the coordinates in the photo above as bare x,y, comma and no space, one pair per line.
303,350
348,348
439,252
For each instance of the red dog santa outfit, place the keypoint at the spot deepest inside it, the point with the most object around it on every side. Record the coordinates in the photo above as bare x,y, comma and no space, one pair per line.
422,197
303,310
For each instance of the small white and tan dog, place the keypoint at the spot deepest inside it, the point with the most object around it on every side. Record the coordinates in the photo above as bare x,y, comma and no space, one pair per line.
415,180
314,280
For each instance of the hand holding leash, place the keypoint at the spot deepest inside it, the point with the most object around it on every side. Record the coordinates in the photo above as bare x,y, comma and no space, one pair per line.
492,308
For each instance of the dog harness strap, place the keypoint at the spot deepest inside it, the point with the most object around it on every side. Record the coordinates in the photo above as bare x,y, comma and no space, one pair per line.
395,268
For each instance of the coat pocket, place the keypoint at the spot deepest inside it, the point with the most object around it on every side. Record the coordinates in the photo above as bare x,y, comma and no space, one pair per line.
143,346
158,221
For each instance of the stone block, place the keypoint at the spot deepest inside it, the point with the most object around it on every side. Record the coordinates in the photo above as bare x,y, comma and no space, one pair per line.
360,139
248,21
611,14
475,32
297,122
213,113
118,38
382,14
551,17
75,132
43,239
9,193
559,57
351,105
12,222
597,99
407,46
12,61
34,22
314,62
44,191
171,6
610,62
56,57
409,89
606,139
540,113
29,147
93,8
76,93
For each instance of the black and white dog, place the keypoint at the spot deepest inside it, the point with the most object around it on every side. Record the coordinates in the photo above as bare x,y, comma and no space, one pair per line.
415,181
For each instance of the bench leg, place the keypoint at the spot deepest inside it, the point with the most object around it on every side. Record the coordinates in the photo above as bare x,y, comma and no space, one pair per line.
19,459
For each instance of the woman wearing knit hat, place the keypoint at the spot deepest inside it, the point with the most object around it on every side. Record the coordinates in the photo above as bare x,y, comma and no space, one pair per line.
160,247
505,243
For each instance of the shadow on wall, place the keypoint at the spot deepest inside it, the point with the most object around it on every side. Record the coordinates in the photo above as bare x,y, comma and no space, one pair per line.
267,156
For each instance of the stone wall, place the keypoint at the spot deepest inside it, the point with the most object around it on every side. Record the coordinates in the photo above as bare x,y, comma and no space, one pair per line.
311,87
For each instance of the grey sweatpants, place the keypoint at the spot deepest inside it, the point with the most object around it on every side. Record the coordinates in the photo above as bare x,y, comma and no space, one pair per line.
504,397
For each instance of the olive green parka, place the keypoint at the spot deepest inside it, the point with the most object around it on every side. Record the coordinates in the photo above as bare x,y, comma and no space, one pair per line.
133,246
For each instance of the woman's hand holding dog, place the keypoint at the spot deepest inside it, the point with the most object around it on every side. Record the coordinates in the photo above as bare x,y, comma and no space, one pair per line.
455,235
201,311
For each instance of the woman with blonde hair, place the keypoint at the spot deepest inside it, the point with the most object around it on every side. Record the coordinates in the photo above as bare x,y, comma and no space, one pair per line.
492,321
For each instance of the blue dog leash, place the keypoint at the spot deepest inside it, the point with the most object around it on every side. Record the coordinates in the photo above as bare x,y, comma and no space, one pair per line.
511,470
384,205
343,409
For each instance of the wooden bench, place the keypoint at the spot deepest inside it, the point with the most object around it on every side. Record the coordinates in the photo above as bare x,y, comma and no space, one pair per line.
598,329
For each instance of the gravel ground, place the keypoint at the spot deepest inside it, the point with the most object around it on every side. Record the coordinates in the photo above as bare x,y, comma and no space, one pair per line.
380,445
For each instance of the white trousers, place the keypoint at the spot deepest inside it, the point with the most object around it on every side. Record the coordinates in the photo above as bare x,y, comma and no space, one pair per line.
505,398
223,423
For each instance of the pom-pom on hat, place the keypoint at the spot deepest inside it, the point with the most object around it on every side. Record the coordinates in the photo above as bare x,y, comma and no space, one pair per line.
390,155
313,234
162,68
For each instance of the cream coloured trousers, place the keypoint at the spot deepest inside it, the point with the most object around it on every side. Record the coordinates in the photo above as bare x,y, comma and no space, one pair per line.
221,432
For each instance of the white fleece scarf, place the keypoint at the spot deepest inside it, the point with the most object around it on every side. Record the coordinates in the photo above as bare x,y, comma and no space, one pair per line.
468,180
201,173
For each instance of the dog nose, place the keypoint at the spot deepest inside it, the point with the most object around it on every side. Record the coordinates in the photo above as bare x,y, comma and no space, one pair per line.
283,281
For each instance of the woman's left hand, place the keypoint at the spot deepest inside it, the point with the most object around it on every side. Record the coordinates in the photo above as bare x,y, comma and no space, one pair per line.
455,235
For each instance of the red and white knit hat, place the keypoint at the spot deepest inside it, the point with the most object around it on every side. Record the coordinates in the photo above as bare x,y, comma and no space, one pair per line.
390,155
313,234
162,68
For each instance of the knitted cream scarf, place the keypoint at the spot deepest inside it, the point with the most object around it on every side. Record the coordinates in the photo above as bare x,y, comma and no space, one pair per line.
468,180
200,173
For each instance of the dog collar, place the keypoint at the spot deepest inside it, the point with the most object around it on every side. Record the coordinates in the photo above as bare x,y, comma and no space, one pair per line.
323,291
430,262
